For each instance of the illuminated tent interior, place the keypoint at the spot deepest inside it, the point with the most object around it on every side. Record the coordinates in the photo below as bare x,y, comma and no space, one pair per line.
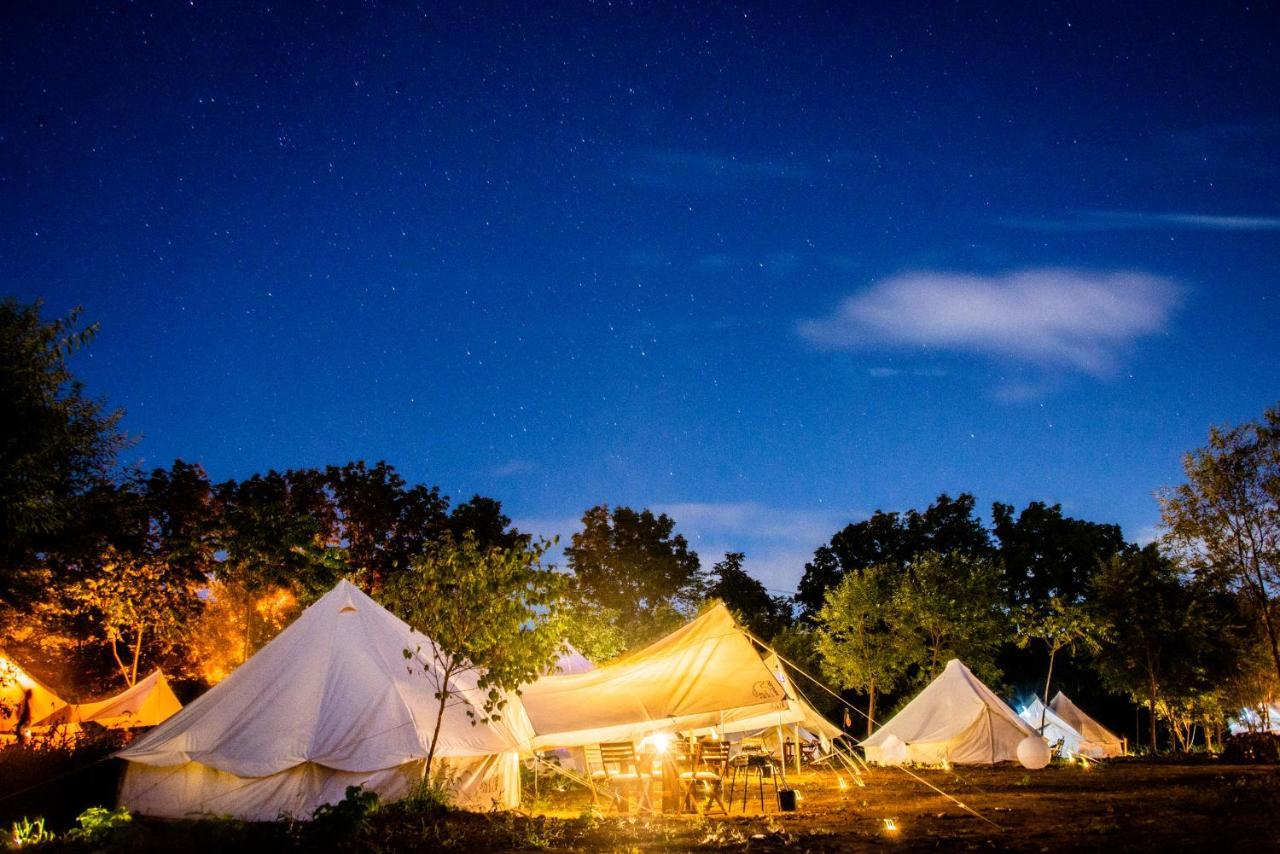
14,681
696,677
149,702
1081,735
329,703
957,719
1264,718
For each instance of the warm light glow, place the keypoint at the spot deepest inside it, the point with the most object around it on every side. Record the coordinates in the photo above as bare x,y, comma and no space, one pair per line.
12,672
661,741
1084,763
890,826
946,766
843,784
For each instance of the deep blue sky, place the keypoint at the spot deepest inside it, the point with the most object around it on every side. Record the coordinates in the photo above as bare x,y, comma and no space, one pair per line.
769,268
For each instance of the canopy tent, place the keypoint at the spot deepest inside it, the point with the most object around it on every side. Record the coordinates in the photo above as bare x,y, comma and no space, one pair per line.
796,710
689,679
331,702
14,683
1262,718
955,718
149,702
1093,739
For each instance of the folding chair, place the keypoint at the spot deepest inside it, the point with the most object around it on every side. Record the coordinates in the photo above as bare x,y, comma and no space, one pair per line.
622,771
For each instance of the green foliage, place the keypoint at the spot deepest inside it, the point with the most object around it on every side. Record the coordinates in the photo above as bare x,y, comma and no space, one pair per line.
593,630
100,827
492,613
59,447
747,598
955,606
1048,555
29,832
1060,626
946,526
1225,520
865,643
340,822
633,563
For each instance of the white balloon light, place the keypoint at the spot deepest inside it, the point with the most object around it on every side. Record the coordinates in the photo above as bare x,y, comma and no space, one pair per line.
1033,752
893,751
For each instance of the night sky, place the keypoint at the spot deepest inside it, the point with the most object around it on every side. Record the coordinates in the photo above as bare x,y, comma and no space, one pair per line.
768,268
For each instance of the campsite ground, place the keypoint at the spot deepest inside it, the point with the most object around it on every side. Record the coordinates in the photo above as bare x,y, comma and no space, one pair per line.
1121,806
1124,805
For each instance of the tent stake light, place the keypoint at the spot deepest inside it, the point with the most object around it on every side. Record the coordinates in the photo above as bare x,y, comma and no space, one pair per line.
890,826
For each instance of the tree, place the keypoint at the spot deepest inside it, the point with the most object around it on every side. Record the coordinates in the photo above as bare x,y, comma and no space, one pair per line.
955,605
634,563
747,598
1059,626
382,522
1225,520
863,640
484,519
947,525
279,535
593,630
1048,555
57,446
491,614
134,602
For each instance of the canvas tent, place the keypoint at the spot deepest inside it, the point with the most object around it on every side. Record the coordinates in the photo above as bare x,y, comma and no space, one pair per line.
796,712
1263,718
1081,734
149,702
329,703
14,682
955,718
692,678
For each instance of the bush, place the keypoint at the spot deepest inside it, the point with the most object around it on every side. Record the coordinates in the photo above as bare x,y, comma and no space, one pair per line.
100,827
1252,747
58,781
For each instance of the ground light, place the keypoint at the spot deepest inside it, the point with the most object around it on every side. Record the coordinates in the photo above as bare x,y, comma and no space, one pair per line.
890,826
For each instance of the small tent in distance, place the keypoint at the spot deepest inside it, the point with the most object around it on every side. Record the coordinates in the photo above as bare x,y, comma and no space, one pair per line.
148,703
14,683
331,702
956,719
1092,739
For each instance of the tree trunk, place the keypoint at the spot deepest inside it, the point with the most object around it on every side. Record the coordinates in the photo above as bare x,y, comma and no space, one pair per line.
871,708
115,653
435,735
1044,709
137,653
1151,708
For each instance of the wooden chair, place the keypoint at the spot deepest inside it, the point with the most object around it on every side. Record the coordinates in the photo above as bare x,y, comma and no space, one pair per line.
713,768
622,772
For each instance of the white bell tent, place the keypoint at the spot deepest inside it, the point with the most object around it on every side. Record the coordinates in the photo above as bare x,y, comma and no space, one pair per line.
1093,739
796,713
149,702
692,678
955,718
331,702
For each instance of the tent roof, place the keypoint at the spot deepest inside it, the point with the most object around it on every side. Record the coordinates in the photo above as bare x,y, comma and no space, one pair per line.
796,711
1036,711
333,689
683,681
1088,728
946,709
14,680
149,702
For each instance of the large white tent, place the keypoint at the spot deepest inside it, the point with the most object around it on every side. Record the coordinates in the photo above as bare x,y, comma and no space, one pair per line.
797,711
955,718
149,702
694,677
331,702
1080,734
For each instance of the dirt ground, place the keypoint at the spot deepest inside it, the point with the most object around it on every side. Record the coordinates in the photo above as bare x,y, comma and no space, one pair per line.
1123,805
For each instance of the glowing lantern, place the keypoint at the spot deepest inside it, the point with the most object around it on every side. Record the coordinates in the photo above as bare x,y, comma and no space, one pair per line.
1033,752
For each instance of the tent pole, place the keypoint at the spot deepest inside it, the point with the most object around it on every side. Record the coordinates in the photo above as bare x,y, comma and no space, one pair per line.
795,731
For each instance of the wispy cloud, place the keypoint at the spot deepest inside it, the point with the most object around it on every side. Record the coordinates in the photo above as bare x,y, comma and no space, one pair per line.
1056,318
684,169
512,467
1134,220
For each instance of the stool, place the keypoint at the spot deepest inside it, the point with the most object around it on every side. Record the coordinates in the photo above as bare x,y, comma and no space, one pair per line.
761,766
